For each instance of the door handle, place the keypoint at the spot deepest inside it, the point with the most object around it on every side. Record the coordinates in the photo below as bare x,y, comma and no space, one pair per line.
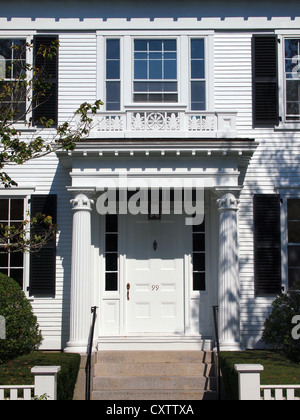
128,291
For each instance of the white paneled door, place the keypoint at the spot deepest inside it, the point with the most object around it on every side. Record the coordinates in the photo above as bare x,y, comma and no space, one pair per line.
155,275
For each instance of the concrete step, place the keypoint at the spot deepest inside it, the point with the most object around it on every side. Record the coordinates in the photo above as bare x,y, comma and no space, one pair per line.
178,395
152,369
186,383
154,357
154,375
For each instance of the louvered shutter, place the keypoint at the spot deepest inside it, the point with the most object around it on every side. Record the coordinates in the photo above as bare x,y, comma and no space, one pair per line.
46,107
267,244
265,81
43,264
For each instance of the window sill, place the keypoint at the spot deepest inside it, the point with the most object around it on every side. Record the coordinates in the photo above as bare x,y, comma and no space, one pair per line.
155,106
24,128
288,126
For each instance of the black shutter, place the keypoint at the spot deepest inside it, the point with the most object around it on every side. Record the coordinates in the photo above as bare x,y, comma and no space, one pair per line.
265,81
46,107
267,244
43,264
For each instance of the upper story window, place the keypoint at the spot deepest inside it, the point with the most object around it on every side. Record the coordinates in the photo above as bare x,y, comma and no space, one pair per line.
292,78
198,84
113,82
12,69
155,71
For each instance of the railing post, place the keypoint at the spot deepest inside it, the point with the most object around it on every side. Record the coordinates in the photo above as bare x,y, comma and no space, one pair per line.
89,356
45,381
249,382
216,310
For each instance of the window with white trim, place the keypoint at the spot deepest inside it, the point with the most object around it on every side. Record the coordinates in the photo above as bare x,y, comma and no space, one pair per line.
155,71
12,70
198,74
294,242
113,76
11,214
292,78
152,70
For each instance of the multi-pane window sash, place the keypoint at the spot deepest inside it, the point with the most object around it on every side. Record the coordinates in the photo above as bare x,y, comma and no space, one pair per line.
199,271
155,71
294,242
11,214
12,72
292,78
113,83
198,83
111,254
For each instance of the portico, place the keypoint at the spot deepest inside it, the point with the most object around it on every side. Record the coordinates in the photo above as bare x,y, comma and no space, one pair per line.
156,280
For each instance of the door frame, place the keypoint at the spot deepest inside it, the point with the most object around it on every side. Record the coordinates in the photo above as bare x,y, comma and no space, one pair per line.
116,301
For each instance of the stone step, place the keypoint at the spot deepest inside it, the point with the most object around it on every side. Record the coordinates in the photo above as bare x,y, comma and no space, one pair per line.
152,369
154,357
154,383
154,375
137,395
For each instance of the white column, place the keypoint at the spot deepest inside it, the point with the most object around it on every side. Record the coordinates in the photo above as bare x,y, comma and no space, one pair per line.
229,283
80,320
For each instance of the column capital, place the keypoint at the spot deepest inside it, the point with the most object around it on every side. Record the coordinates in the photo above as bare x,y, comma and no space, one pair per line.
82,201
228,201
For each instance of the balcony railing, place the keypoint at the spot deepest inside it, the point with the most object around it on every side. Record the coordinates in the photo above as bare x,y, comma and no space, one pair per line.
172,123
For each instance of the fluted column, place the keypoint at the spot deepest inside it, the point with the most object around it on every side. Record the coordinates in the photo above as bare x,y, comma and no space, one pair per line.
229,283
80,319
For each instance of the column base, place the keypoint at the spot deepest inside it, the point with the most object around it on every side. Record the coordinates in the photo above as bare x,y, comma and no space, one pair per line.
231,347
75,347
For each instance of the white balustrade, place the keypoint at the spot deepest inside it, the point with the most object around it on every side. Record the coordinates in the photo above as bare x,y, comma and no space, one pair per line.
164,123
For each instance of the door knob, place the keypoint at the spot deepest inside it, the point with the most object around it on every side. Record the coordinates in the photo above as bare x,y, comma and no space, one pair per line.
128,291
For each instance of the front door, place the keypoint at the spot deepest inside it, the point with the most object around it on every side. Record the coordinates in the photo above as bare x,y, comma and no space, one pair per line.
155,274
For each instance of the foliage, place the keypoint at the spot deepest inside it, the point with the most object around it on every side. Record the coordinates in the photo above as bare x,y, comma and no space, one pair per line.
278,326
18,371
31,87
22,329
18,237
278,370
19,98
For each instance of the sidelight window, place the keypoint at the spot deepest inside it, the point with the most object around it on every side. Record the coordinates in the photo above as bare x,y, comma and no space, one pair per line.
199,272
111,254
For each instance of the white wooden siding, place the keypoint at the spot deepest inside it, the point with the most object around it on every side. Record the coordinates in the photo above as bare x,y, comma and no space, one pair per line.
275,163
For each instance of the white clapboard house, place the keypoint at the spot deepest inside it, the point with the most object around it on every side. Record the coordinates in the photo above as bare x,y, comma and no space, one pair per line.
199,97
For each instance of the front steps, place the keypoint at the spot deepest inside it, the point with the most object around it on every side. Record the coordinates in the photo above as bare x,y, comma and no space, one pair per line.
154,375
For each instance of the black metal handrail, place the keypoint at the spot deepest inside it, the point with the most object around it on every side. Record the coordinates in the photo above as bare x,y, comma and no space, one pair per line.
89,356
216,311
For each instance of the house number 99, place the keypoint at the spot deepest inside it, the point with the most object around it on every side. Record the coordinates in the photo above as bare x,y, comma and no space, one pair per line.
155,287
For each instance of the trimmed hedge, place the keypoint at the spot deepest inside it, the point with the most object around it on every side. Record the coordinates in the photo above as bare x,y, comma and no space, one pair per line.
278,370
18,371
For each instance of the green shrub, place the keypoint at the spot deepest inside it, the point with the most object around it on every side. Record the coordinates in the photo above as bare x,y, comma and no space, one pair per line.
278,326
22,329
18,371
